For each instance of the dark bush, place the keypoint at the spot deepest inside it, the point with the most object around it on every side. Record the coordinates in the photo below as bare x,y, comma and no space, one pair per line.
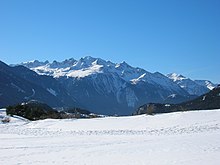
33,111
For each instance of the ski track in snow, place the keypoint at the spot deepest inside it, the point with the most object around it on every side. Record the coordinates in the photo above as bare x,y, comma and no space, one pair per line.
177,138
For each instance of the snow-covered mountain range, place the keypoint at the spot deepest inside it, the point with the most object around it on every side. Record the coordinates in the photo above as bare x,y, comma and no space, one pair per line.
116,88
94,84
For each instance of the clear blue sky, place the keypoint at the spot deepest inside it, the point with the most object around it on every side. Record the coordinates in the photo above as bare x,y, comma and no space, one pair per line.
180,36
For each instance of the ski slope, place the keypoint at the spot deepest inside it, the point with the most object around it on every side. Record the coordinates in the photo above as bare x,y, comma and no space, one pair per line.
182,138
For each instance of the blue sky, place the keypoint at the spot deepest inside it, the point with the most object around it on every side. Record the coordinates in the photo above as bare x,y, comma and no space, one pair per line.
180,36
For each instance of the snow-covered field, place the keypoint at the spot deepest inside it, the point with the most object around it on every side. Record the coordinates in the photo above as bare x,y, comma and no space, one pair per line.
182,138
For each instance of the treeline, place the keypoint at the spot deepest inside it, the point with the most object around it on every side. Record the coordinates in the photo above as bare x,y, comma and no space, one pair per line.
34,110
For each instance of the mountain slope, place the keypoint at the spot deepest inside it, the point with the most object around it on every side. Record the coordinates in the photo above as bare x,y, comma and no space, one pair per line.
197,87
206,83
207,101
18,84
48,83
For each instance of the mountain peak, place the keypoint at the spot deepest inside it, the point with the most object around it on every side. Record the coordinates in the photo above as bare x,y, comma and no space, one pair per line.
176,77
63,64
34,63
89,58
123,65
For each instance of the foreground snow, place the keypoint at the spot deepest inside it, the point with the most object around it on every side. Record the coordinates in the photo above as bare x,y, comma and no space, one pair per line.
175,138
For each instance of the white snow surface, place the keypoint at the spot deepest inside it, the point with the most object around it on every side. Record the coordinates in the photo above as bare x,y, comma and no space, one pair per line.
182,138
